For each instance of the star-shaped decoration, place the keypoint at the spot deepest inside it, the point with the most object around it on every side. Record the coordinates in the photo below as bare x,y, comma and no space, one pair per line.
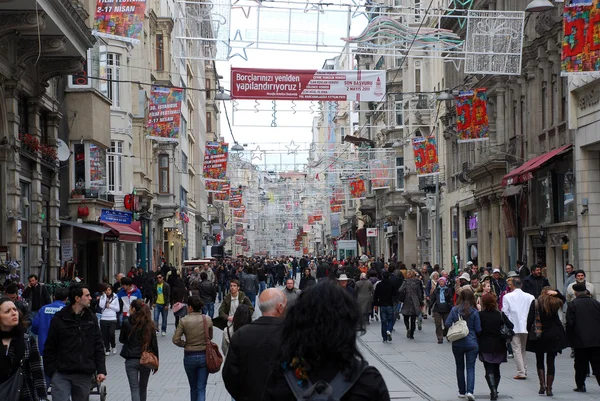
246,13
244,56
257,153
292,148
356,12
312,6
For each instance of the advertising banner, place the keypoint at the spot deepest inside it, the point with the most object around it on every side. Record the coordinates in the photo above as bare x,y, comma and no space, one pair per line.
223,196
371,232
215,160
239,239
164,113
581,44
120,19
381,173
472,118
239,229
215,186
334,223
239,213
426,158
235,198
311,220
358,189
316,85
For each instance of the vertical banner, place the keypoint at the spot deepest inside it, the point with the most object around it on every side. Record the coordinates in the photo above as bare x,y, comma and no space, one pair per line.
357,189
381,173
223,196
120,19
334,222
581,42
472,118
164,113
235,198
239,213
426,158
215,160
311,220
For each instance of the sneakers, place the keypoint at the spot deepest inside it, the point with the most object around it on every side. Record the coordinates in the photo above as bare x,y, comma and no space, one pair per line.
511,355
107,353
419,325
389,335
470,397
461,395
164,333
157,333
114,350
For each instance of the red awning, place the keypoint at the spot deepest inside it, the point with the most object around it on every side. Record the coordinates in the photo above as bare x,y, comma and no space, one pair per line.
525,171
124,232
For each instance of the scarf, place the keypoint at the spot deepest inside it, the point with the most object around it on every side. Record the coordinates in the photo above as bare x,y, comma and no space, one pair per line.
15,332
442,294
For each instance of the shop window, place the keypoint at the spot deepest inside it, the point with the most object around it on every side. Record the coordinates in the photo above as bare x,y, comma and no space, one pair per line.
565,199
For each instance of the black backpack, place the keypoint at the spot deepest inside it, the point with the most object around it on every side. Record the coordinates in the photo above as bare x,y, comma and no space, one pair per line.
322,390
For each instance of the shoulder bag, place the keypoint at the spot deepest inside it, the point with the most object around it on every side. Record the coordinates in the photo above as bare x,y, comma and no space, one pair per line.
535,331
148,359
458,330
214,359
11,389
505,332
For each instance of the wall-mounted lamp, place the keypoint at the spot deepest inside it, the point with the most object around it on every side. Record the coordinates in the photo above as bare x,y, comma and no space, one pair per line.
542,233
172,244
585,205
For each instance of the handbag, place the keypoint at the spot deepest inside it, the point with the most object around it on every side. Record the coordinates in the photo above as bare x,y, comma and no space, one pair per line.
458,330
149,360
214,359
505,332
11,389
535,332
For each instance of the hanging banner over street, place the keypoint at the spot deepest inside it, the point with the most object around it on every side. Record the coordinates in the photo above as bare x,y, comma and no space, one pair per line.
472,118
120,19
239,213
580,47
164,113
318,85
215,186
381,173
223,196
215,161
358,189
235,198
426,158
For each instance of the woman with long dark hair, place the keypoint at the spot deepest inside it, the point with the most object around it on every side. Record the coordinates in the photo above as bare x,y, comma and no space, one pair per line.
138,334
492,347
465,350
553,338
20,355
319,343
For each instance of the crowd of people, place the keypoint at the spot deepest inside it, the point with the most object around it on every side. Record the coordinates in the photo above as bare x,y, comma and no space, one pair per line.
304,342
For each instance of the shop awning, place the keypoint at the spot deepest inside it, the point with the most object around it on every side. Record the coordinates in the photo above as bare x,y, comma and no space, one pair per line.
355,140
90,227
512,190
525,172
124,232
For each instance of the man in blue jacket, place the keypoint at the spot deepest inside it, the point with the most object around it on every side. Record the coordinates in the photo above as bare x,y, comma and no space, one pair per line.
41,323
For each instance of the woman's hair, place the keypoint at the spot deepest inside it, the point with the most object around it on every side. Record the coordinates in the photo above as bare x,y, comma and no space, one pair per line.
411,274
466,301
22,325
142,322
489,302
195,302
549,304
241,317
321,328
435,275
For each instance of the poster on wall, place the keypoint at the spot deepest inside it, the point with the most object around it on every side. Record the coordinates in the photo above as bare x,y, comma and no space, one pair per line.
223,196
381,173
315,85
119,19
471,116
215,160
358,189
426,158
164,113
581,43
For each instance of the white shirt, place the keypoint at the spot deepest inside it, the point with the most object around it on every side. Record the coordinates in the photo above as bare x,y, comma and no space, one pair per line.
235,302
109,312
515,306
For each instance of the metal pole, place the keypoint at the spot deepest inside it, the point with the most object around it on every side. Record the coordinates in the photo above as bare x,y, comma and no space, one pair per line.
438,228
143,245
150,246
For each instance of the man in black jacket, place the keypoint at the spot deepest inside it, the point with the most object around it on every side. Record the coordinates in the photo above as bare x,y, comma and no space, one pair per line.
208,294
534,283
36,294
253,349
384,299
74,350
583,326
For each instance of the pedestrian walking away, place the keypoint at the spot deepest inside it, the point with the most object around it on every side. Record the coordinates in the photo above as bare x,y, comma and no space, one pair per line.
515,306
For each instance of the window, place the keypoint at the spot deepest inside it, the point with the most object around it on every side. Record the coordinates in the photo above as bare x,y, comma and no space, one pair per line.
399,173
160,55
553,97
543,199
417,10
564,83
544,104
23,115
183,133
418,76
342,133
163,174
208,94
184,162
182,197
398,106
113,74
209,121
115,166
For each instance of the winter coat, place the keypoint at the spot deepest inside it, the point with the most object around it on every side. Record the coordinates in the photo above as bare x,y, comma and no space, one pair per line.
306,282
109,307
554,337
413,298
364,292
448,297
533,285
128,297
583,322
490,340
132,342
34,384
41,323
166,293
249,283
226,304
207,292
473,323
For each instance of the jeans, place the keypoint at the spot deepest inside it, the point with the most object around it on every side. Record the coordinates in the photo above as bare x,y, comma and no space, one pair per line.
158,311
252,297
209,309
261,287
222,287
470,354
107,328
197,373
72,386
138,376
386,313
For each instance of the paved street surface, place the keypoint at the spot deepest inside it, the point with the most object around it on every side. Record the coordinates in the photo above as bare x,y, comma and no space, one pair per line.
417,369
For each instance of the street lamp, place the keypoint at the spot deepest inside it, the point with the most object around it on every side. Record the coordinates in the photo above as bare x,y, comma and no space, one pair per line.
445,96
237,147
538,6
221,95
397,144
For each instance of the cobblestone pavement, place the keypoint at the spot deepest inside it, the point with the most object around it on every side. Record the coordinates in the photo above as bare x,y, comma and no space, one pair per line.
417,369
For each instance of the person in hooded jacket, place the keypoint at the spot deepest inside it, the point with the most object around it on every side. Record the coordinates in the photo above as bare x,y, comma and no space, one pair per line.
411,294
41,323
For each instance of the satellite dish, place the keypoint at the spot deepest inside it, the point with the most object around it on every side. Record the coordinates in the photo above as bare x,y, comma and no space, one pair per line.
63,150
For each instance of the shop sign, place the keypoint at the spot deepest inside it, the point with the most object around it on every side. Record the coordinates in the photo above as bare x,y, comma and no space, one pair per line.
371,232
116,216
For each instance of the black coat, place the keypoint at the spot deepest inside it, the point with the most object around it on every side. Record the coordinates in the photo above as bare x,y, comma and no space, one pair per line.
132,343
384,294
74,344
322,270
554,338
533,285
306,282
251,357
490,340
207,292
583,322
448,297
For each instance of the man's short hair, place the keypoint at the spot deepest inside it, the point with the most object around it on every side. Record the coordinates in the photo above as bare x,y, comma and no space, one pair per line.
11,289
61,294
126,281
76,290
580,272
570,264
33,276
517,282
235,281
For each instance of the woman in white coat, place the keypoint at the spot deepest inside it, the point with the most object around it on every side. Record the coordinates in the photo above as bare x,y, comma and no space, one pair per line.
109,307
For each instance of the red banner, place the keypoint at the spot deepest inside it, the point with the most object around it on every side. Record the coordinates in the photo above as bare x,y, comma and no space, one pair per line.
120,19
164,113
215,160
235,198
471,116
358,189
318,85
426,158
223,196
580,47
